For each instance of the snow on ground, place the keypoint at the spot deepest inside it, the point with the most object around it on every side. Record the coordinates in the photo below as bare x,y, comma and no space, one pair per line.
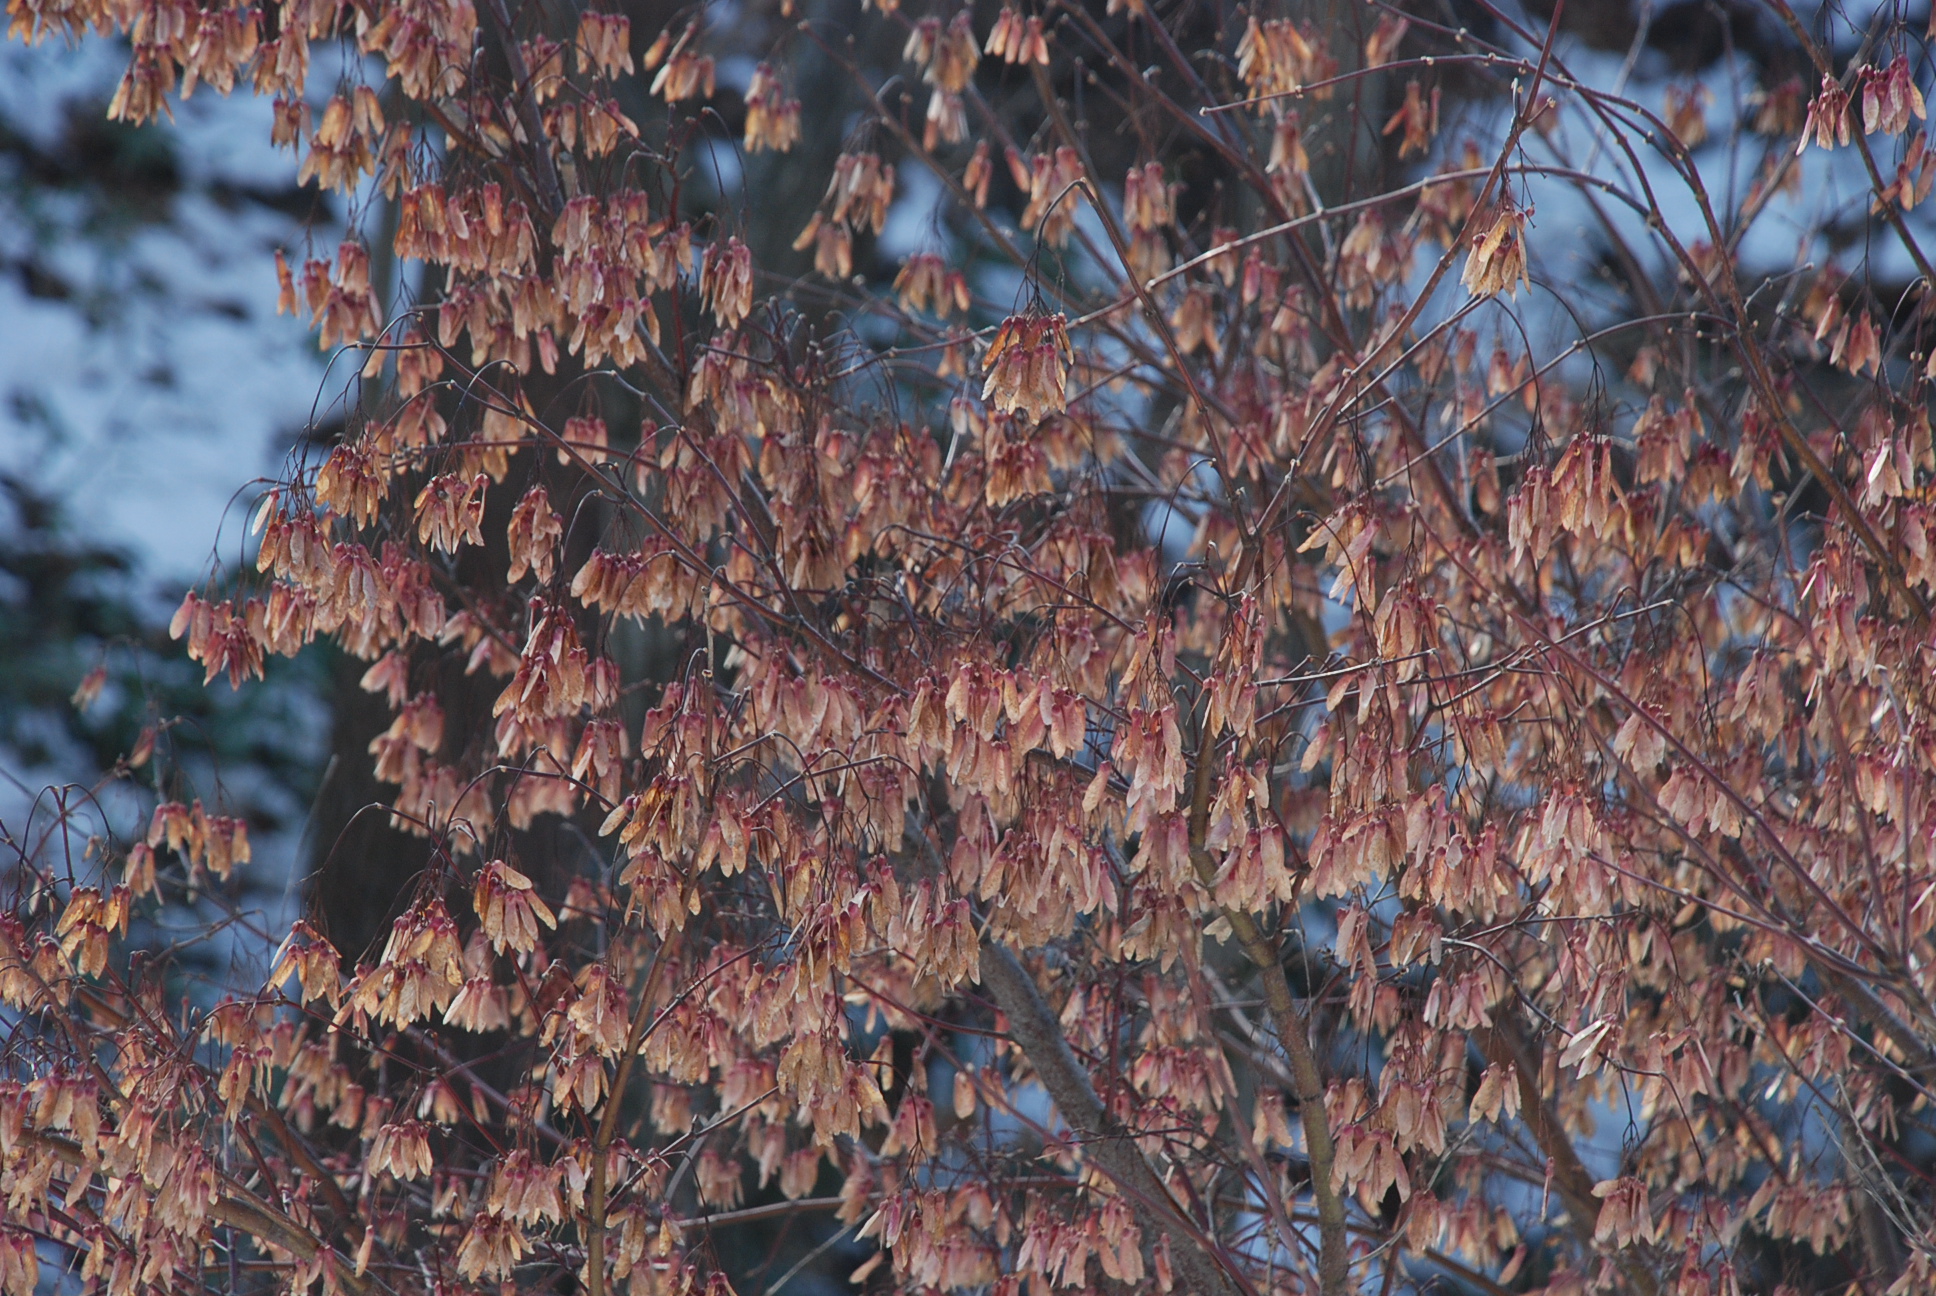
147,385
157,382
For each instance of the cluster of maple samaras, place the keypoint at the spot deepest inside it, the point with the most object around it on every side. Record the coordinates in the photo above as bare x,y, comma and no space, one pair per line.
1889,97
1028,365
947,58
613,255
925,283
1497,262
857,198
772,116
1149,207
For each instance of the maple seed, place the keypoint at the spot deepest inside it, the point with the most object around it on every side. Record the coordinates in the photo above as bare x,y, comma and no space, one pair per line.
508,909
685,74
1828,117
1028,365
772,117
726,282
1890,98
1015,39
925,283
89,688
1497,262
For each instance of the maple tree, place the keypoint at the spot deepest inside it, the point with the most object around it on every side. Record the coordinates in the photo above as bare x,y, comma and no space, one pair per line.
1218,761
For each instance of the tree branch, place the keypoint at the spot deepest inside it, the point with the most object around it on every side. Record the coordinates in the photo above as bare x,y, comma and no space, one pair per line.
236,1207
1111,1149
1293,1033
1506,1044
